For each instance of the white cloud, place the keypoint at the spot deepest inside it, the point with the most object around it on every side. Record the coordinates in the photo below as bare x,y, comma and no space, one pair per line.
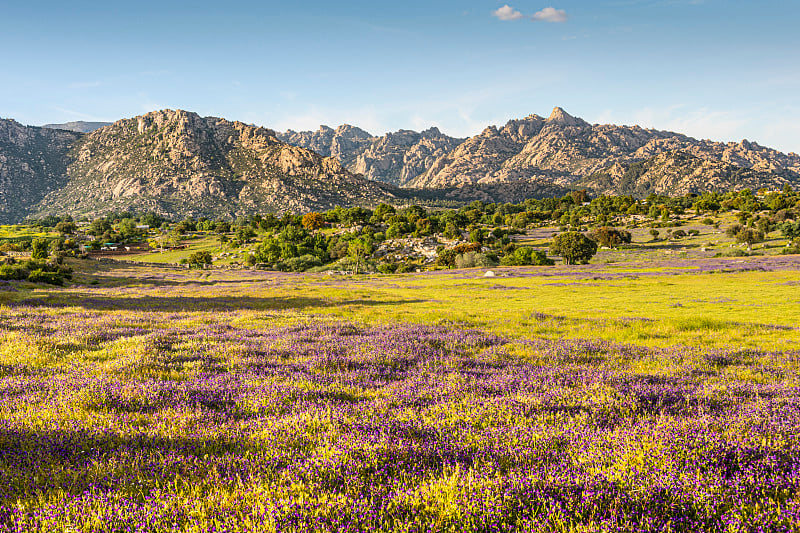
550,14
507,13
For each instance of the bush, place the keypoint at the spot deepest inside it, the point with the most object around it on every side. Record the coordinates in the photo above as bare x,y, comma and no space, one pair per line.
790,230
733,230
474,259
300,264
39,249
387,268
447,256
792,248
525,255
13,272
199,259
40,276
610,237
749,236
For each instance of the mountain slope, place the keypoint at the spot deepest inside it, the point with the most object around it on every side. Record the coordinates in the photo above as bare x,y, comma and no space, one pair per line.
395,158
33,163
678,172
180,164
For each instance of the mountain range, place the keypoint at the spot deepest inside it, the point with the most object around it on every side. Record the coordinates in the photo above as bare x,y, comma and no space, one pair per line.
560,150
179,164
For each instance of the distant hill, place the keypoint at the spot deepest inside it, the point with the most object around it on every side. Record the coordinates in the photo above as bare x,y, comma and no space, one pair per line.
79,125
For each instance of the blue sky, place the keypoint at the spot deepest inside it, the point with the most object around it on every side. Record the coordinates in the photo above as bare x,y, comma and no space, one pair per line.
724,70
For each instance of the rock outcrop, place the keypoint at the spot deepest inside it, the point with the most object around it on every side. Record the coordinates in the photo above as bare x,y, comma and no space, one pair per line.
395,158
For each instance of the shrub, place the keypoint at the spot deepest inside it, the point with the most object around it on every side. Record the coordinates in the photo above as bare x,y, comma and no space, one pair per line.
790,230
447,256
733,230
610,237
40,276
749,236
39,249
199,259
525,255
301,264
474,259
792,248
387,268
13,272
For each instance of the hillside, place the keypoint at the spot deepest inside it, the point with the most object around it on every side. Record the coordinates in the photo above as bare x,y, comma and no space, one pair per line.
180,164
33,163
679,172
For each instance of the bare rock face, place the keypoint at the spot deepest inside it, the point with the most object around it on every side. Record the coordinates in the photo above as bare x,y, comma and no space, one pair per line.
394,158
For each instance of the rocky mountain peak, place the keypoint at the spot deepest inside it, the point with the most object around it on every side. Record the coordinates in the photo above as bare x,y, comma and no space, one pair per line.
431,133
559,116
352,132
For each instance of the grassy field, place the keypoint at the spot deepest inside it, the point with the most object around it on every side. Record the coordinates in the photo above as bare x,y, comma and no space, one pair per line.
654,394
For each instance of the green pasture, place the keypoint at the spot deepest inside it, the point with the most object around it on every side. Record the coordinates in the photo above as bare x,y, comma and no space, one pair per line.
649,304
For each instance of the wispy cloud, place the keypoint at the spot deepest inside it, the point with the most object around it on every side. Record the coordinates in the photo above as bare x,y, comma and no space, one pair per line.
550,14
507,13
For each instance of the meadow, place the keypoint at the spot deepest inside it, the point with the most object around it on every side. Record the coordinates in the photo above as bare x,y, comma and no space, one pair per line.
658,395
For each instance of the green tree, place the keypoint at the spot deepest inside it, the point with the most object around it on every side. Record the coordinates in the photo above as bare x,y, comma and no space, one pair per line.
39,249
610,237
313,221
66,228
358,249
574,247
750,236
199,259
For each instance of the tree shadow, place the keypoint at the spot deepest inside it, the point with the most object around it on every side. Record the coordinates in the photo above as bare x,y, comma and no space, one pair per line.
96,302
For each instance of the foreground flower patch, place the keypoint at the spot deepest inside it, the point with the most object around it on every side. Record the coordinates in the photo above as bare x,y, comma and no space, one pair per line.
134,421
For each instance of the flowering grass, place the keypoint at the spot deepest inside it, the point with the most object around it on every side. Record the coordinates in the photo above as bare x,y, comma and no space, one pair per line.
565,399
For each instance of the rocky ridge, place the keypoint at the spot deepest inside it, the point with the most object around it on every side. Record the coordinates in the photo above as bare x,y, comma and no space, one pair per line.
564,149
396,158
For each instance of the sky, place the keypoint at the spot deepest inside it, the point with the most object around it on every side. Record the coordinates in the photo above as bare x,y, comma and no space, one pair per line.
722,70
